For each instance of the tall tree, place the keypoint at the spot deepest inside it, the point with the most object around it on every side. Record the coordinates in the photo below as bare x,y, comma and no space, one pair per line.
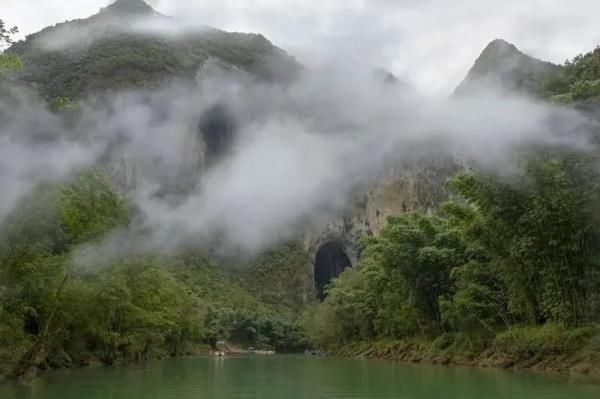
6,34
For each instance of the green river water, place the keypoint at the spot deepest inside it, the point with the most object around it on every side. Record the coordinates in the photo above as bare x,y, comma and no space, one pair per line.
290,377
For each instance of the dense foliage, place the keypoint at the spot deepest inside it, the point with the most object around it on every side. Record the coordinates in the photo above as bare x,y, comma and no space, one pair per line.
577,80
284,271
54,313
506,252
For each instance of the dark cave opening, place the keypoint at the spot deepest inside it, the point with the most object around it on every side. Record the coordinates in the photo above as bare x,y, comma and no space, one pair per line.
217,127
330,262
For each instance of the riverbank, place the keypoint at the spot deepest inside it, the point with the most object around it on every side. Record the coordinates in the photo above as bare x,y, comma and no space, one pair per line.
549,349
63,361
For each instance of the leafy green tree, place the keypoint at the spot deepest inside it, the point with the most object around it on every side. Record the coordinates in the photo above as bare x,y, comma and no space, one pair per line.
398,287
540,231
577,80
6,34
281,277
416,254
346,315
8,62
39,287
139,311
90,207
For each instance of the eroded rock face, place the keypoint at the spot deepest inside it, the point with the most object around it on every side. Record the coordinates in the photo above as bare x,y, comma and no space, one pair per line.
417,187
405,188
206,140
131,168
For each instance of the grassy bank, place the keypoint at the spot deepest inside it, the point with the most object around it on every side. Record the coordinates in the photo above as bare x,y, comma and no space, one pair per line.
550,348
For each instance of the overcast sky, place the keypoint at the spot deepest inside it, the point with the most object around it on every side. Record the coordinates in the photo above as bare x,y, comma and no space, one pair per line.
431,43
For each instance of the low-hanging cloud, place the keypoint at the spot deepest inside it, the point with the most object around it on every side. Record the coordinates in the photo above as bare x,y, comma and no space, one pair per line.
35,147
304,151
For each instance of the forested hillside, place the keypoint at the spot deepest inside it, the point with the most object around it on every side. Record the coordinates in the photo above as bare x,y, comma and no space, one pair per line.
108,52
54,314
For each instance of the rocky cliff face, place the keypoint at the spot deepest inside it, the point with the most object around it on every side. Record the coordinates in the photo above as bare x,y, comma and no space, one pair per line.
128,168
415,186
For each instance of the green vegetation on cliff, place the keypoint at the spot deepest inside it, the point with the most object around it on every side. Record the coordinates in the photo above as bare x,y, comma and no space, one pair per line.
577,83
110,51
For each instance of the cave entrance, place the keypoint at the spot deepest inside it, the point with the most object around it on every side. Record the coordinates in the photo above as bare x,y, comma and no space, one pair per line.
217,126
330,262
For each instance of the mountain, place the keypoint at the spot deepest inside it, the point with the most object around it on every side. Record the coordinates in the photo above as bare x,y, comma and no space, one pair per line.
129,44
502,65
123,7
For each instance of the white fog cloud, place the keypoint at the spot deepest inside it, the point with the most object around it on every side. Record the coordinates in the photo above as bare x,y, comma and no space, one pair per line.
301,152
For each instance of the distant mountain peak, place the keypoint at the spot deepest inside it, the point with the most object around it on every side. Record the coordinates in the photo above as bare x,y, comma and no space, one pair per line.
502,65
129,7
500,47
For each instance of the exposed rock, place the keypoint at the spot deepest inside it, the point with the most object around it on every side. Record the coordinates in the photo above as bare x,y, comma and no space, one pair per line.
407,187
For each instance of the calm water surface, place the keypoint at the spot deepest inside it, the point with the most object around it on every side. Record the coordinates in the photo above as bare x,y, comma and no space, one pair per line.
290,377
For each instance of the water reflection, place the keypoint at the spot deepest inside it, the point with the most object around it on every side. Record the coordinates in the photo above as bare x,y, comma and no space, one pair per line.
291,377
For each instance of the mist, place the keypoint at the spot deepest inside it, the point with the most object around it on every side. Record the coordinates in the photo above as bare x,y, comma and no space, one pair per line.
35,147
301,152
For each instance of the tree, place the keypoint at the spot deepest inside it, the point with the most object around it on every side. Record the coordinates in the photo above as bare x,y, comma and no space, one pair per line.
6,34
540,230
415,253
8,62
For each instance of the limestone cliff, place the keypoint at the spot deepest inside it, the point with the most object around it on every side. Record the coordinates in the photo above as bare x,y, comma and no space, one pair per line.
419,185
